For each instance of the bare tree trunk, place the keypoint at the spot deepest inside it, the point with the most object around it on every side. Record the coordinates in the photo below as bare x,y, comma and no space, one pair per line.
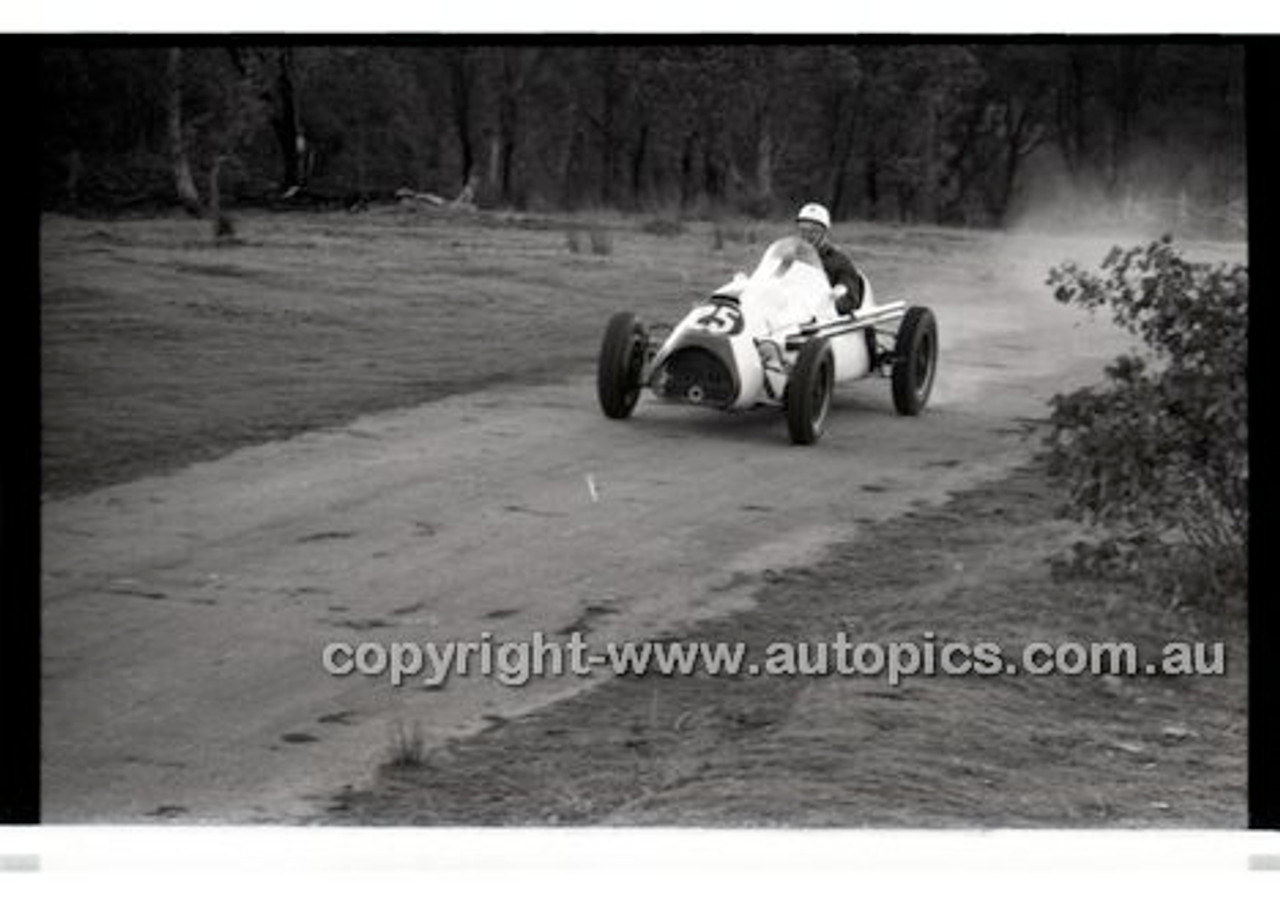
508,128
1131,65
461,83
872,180
288,125
637,167
571,184
715,170
516,68
608,128
508,170
495,160
1072,135
75,170
687,166
929,188
842,150
1007,184
1022,137
764,163
185,185
222,225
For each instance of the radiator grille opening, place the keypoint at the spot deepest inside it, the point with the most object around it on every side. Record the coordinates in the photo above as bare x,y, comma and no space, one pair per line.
698,376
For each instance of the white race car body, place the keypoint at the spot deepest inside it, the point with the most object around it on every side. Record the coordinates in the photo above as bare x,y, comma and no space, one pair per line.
735,351
773,337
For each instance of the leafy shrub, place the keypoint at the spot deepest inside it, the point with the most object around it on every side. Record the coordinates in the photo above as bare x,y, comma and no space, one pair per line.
1157,457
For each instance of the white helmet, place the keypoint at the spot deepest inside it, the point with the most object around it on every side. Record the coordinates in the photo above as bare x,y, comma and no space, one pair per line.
817,213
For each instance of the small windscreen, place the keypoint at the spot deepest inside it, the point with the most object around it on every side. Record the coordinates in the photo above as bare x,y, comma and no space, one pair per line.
783,254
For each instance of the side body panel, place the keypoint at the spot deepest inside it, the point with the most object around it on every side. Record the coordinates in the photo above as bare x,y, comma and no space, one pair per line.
853,360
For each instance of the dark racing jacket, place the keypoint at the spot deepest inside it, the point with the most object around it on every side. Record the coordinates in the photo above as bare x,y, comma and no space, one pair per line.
841,271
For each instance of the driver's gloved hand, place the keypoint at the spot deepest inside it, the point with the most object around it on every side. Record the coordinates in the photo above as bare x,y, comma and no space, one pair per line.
854,295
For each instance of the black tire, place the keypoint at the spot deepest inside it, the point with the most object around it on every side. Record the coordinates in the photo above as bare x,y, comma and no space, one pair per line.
809,392
621,362
915,360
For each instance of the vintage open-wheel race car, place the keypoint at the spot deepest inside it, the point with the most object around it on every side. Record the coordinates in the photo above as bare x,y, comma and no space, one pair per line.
772,338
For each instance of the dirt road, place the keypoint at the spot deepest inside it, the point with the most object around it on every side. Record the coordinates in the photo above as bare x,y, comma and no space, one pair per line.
185,615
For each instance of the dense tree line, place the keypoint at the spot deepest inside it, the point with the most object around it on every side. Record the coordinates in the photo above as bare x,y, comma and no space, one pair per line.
953,133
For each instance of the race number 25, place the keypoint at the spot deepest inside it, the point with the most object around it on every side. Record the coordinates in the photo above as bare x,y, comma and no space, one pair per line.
721,319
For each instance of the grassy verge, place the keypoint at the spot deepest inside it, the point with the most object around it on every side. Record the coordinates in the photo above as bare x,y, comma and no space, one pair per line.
160,348
1052,751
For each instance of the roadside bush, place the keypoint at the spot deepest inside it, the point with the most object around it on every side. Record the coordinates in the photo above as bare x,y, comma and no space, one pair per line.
601,242
663,227
1156,458
596,238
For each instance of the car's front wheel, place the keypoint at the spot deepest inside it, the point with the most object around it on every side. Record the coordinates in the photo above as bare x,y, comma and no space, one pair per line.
621,364
809,392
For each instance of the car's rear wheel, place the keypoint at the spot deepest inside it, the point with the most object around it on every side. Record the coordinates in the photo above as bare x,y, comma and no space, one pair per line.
809,392
915,360
621,364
